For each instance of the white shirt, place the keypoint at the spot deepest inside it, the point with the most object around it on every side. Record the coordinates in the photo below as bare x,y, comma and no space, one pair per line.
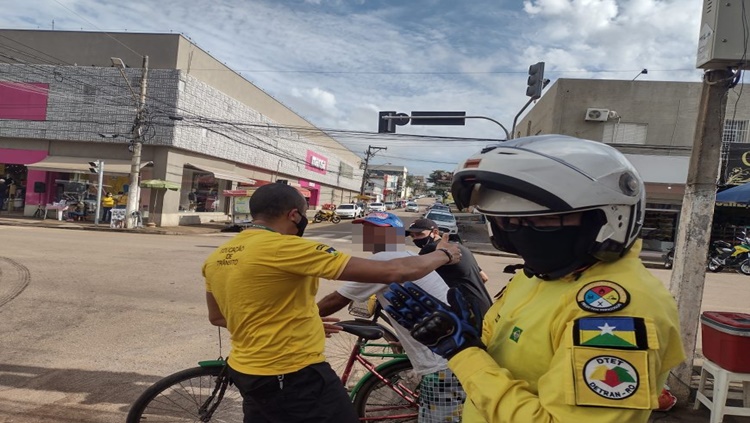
423,360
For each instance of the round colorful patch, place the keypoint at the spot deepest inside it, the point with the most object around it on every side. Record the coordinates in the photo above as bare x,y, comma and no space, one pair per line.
611,377
602,297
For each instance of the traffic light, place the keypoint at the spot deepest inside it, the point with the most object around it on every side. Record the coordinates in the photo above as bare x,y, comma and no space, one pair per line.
94,167
536,81
386,126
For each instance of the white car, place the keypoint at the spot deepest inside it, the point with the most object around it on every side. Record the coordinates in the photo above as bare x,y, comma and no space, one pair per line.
349,211
412,207
445,221
377,207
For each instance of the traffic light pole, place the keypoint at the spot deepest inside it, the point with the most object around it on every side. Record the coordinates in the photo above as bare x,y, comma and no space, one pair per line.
515,119
404,117
100,178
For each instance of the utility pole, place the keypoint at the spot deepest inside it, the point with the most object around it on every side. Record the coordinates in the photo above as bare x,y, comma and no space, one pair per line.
694,232
135,165
368,155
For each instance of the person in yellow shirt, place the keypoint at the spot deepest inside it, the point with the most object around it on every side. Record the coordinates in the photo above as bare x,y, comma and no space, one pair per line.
584,333
108,202
261,286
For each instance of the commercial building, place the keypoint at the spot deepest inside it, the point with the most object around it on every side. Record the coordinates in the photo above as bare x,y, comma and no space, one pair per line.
652,123
63,103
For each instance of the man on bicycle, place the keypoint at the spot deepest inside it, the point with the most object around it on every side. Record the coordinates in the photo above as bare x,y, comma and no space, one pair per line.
584,333
440,394
465,275
261,286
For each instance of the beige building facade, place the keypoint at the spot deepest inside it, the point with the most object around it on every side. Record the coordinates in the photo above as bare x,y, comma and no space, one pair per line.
207,129
651,122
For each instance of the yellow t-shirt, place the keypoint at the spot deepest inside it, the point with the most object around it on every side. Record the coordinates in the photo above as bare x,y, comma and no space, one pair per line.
596,349
265,285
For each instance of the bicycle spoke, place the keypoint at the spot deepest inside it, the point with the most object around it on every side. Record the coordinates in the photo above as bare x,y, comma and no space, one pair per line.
189,398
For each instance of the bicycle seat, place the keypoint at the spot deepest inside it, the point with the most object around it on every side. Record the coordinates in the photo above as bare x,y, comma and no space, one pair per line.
369,331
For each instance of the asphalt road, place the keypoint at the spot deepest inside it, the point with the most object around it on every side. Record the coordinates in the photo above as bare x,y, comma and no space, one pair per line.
89,319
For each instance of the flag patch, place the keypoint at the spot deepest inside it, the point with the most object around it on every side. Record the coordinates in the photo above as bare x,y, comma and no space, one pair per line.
611,332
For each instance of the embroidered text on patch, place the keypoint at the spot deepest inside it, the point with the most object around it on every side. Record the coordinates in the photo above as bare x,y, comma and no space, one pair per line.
602,297
611,377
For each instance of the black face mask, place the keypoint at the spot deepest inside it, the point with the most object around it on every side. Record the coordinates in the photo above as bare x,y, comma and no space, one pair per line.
301,225
424,242
546,254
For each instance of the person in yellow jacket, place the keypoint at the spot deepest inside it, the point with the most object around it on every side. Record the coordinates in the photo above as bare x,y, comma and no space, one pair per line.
585,333
108,202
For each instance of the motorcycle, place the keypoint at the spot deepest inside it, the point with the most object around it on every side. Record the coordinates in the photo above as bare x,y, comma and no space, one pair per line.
668,258
724,254
326,216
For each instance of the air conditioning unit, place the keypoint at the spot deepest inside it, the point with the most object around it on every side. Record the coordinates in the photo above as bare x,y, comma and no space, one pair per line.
597,115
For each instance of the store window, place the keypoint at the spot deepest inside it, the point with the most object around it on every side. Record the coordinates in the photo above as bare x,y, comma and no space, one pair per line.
201,192
735,131
660,226
13,187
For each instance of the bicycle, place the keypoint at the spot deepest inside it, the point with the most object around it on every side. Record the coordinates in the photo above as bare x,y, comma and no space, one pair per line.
386,391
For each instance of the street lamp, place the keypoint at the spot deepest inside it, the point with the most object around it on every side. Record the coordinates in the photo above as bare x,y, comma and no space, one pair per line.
137,137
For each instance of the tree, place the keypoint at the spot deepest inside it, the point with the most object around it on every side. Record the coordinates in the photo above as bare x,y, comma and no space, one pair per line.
441,181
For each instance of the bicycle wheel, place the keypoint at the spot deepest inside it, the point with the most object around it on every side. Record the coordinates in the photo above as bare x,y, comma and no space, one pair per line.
376,401
180,396
339,348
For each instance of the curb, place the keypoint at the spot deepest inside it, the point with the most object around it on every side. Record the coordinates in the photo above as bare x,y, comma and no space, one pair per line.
69,226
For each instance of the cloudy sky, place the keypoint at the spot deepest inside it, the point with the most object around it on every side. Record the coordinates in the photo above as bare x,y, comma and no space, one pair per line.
338,62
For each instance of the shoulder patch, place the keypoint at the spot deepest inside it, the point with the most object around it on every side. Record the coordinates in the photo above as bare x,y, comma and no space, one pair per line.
602,297
624,333
326,249
611,377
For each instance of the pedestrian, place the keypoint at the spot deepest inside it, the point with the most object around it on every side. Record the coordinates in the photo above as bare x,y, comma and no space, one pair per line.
441,397
261,286
465,275
192,199
122,200
584,333
108,202
3,189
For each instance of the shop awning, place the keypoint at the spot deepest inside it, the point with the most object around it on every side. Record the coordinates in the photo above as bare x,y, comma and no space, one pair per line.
81,165
223,174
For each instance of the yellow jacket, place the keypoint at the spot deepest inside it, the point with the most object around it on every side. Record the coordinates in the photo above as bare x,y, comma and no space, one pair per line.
596,349
108,201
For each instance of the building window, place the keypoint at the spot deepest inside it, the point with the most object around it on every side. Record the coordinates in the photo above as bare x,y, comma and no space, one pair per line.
735,131
625,133
201,192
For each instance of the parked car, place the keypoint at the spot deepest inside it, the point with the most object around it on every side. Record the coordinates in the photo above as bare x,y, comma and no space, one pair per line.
446,222
412,207
390,205
377,207
440,207
349,211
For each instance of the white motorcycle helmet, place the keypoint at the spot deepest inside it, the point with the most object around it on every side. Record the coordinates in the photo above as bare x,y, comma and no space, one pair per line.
554,174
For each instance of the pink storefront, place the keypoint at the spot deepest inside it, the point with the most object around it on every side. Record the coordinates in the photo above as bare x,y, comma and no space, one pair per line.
31,187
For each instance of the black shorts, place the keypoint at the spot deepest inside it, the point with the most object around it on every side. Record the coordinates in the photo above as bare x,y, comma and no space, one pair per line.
312,394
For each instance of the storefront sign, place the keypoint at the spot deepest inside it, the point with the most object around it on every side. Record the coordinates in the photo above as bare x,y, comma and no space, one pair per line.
316,163
737,170
23,101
